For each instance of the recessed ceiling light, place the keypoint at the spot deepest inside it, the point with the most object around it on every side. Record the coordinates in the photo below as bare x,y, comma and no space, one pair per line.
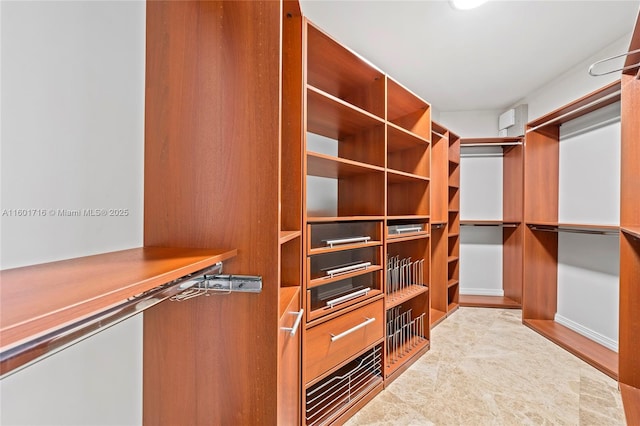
466,4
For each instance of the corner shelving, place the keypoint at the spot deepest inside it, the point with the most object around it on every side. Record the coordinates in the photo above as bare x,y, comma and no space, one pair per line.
541,233
453,223
408,235
510,223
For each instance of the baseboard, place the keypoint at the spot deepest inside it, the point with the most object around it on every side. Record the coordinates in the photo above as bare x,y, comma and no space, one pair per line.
481,292
587,332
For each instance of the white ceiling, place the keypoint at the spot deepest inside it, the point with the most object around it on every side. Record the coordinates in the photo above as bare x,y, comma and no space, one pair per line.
481,59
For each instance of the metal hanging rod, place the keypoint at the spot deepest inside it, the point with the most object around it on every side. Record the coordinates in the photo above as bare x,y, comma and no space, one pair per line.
595,74
573,230
490,144
502,225
29,352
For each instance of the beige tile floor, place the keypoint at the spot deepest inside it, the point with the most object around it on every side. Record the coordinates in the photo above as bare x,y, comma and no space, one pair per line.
485,368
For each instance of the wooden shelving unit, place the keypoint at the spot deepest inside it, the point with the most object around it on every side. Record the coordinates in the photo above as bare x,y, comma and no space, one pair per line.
511,223
439,222
629,326
540,242
453,225
370,139
344,236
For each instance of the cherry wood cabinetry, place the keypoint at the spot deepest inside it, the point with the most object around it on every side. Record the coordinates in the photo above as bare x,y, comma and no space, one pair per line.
541,193
445,222
366,210
629,347
223,169
511,223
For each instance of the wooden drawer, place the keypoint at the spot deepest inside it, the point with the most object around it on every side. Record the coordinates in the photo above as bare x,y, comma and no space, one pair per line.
332,342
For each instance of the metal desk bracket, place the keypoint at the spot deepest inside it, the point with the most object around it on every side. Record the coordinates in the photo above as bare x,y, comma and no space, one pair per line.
209,284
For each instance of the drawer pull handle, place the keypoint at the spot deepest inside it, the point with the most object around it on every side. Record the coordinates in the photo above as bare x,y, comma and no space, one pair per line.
352,240
359,266
335,337
296,324
342,299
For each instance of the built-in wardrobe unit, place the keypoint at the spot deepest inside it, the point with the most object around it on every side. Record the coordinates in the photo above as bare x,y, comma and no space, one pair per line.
491,222
629,345
366,214
223,169
445,224
571,260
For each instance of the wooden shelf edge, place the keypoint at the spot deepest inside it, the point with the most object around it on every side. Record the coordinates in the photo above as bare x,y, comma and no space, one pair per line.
452,282
394,126
633,231
497,141
287,295
473,301
453,306
631,403
399,176
321,219
69,300
326,280
583,105
399,297
343,247
407,237
451,259
139,270
575,227
335,167
598,356
437,316
407,217
286,236
344,104
393,371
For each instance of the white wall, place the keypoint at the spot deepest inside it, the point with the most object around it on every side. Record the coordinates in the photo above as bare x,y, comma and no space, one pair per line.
481,175
589,178
588,285
72,138
574,83
481,261
471,124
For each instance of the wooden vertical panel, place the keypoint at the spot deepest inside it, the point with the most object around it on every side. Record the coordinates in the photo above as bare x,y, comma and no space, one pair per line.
439,179
539,298
211,180
439,272
292,131
512,262
630,153
513,184
541,164
629,344
289,374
